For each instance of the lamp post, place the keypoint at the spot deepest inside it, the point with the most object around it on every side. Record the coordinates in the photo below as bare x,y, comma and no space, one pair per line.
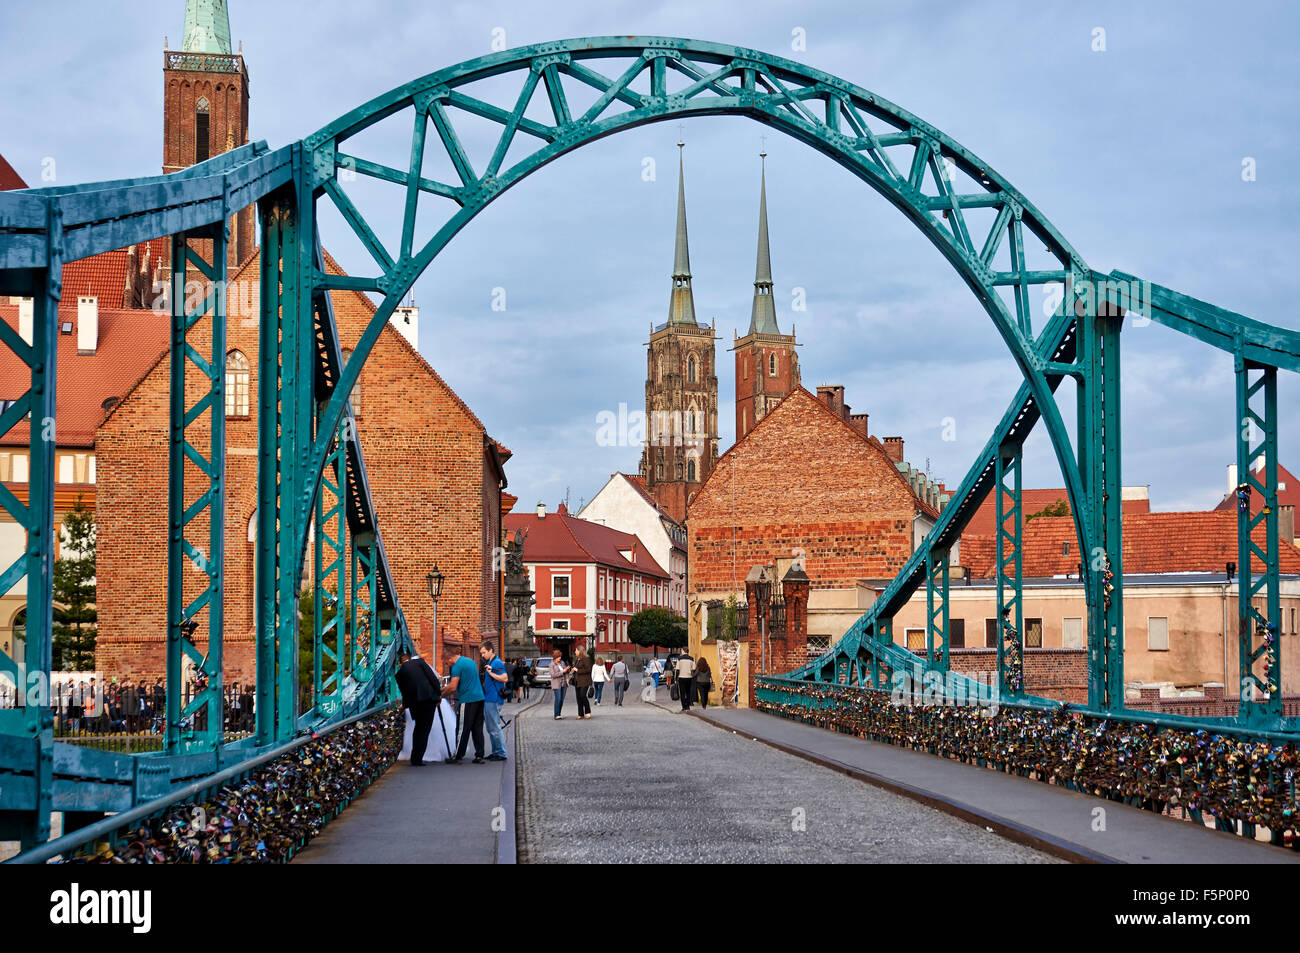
762,593
434,579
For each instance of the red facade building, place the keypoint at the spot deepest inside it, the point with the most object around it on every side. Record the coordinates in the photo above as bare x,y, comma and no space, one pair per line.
589,580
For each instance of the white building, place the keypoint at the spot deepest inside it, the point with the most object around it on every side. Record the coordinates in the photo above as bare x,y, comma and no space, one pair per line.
626,505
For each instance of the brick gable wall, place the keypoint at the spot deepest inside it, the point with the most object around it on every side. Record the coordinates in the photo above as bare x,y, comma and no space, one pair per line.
424,456
801,480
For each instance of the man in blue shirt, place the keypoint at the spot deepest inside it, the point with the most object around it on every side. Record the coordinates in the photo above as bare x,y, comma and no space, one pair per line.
495,681
465,683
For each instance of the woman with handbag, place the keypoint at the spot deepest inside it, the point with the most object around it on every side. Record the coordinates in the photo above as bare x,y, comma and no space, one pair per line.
582,681
703,681
559,673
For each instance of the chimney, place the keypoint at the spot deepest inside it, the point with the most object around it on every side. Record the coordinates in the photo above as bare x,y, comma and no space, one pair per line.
541,510
87,324
832,395
859,423
25,319
406,318
1286,523
894,448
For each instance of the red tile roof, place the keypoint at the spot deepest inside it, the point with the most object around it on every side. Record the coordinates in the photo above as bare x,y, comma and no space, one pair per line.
561,538
130,343
984,521
1288,492
9,179
104,275
1153,543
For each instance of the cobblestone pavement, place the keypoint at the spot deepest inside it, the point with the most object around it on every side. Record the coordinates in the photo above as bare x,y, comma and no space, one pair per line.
642,784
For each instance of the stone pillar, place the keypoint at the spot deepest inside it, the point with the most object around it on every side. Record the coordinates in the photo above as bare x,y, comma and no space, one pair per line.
795,586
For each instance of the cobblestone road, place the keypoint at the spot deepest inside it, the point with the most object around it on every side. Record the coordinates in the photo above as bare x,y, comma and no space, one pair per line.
641,784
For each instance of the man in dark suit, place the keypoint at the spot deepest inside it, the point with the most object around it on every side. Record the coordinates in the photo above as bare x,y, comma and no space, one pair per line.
421,693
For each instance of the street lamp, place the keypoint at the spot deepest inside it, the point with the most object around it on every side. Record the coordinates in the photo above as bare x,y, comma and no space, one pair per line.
762,593
434,579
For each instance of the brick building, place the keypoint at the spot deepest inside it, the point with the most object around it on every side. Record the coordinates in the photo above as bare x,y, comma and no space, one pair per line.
681,389
436,474
805,487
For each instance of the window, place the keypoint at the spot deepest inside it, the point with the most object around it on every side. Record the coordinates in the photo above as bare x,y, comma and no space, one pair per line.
956,633
560,587
67,468
915,639
1033,633
771,365
690,369
1158,634
690,470
202,136
561,624
356,388
990,633
237,379
1072,633
90,473
1293,622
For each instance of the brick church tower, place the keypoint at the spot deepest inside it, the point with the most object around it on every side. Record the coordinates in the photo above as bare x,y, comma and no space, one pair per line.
767,367
205,104
681,389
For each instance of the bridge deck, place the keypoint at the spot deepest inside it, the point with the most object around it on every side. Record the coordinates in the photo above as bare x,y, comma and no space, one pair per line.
1059,820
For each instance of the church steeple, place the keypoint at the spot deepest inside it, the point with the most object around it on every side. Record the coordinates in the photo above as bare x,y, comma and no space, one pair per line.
207,27
762,317
681,305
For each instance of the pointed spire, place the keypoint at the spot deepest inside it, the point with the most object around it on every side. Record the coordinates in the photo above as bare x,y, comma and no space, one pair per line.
207,27
762,318
681,306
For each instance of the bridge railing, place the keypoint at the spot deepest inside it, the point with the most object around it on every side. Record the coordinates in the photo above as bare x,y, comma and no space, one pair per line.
1240,779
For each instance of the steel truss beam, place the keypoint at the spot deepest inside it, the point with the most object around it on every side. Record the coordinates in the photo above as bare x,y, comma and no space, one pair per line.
1009,520
196,724
1259,652
936,609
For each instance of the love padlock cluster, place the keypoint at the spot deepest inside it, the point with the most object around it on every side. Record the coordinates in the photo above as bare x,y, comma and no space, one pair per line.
269,815
1164,769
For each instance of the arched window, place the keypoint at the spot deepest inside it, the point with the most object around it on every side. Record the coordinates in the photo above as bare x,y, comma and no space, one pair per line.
237,384
771,365
690,369
690,470
202,141
356,388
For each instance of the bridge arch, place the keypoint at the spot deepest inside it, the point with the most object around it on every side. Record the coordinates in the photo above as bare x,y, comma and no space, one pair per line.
935,182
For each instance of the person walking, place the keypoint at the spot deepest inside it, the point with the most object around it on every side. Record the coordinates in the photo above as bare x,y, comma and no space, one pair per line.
654,668
685,679
496,686
703,681
519,675
582,669
599,676
559,681
465,682
618,675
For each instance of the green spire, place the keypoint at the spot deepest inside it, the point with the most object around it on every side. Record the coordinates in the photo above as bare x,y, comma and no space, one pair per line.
207,27
681,306
762,319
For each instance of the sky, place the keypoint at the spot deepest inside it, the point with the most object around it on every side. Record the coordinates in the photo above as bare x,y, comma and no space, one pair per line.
1135,152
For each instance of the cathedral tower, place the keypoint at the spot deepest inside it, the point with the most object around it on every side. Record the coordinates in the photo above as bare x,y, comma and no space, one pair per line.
681,388
205,103
767,367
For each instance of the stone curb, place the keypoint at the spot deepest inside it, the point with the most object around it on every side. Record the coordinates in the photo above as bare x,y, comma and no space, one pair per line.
507,850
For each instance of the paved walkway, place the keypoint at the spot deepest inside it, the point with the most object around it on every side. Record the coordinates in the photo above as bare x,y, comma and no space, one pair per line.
1059,820
642,784
435,814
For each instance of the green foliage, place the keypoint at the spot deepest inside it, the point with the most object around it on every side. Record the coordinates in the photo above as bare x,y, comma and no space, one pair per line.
306,640
75,617
1059,508
657,627
730,619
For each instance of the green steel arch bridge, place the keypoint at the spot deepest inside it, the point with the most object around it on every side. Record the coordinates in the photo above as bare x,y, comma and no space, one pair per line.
311,468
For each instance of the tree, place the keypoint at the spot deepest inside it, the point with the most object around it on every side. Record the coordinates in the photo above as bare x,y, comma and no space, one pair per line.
730,618
657,627
1059,508
307,639
75,617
